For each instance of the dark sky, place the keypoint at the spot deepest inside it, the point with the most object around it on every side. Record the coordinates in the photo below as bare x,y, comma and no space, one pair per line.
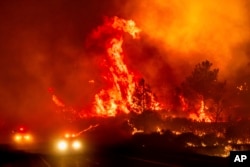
42,45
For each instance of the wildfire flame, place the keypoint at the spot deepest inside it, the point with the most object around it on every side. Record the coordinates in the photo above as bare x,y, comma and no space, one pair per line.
201,115
57,101
135,130
118,97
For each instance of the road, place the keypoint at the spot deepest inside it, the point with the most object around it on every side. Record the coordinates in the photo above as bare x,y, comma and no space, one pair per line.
106,158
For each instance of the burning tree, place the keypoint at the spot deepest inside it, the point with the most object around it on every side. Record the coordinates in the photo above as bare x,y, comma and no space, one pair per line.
143,98
240,96
201,94
119,96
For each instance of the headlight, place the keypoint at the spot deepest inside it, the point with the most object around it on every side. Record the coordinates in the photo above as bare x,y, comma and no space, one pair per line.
23,138
27,137
62,145
76,145
18,138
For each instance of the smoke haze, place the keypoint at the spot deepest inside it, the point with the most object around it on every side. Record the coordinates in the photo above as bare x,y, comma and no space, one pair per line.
42,45
191,31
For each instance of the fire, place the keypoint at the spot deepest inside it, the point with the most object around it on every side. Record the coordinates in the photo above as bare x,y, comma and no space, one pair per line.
242,87
57,101
135,130
88,129
159,130
126,26
201,115
68,112
184,105
119,97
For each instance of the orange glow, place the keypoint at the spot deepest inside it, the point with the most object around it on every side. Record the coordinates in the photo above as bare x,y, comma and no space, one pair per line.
18,138
23,138
68,135
92,81
27,137
192,26
134,129
57,101
201,115
76,145
119,97
62,145
126,26
184,105
159,130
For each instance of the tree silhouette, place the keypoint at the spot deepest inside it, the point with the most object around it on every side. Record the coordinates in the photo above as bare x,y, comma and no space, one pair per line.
203,84
142,97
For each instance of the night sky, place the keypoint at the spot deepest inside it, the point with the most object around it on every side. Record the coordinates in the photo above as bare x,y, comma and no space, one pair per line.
43,45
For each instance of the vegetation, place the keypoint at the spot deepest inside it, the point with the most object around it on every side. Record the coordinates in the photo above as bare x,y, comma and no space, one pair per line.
143,98
203,84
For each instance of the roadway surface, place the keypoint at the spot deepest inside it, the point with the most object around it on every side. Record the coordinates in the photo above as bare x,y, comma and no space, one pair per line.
106,158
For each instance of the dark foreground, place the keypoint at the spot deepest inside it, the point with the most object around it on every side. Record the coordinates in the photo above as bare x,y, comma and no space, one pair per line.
120,155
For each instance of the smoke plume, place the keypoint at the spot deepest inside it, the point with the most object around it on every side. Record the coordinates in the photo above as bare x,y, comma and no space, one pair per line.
190,31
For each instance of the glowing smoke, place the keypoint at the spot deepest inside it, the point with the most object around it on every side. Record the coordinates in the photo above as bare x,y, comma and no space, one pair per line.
191,31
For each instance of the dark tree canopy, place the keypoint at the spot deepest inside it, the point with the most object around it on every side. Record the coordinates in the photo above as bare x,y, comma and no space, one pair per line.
203,84
203,81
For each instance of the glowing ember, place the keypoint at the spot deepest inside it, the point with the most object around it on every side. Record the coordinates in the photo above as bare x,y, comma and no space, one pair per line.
159,130
88,129
57,101
243,87
184,105
68,112
135,130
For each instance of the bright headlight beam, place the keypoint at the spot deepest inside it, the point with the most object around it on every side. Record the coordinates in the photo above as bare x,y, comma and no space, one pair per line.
76,145
18,137
62,145
27,137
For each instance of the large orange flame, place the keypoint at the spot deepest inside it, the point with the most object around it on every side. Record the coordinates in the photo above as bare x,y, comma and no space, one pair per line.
201,115
118,97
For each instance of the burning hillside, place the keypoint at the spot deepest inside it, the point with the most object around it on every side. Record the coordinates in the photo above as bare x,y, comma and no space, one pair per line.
125,91
201,97
201,100
168,74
